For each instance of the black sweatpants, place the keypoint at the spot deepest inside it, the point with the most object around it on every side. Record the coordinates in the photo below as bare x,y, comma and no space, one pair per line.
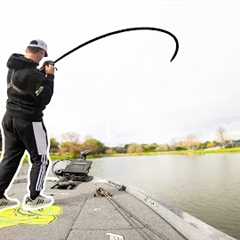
21,135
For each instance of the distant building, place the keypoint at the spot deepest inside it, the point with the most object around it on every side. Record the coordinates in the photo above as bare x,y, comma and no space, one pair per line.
233,143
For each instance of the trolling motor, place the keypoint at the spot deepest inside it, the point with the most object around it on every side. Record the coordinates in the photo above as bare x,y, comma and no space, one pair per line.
72,172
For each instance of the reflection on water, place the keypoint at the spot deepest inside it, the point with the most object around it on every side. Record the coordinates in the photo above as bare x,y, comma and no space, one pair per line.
207,187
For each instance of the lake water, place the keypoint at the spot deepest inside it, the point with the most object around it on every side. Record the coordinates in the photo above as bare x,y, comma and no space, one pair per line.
206,186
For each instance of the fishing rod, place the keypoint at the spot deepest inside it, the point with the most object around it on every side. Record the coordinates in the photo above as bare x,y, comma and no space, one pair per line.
114,33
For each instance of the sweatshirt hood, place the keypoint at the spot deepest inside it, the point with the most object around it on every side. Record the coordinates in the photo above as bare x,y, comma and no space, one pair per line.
18,61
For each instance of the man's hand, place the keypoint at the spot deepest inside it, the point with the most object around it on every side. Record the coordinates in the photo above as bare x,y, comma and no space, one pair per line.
49,69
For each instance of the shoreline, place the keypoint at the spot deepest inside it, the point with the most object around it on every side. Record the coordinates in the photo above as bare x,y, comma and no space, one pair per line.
236,150
181,152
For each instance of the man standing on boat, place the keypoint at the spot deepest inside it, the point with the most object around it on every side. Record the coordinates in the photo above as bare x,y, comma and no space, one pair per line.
29,90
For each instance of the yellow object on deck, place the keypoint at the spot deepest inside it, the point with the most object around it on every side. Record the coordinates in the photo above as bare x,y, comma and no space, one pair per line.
16,216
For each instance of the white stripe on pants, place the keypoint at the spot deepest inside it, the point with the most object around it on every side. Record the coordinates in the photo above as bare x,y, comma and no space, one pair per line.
41,142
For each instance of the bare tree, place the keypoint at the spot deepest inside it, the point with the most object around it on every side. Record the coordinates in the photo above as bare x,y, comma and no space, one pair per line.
191,142
221,135
71,137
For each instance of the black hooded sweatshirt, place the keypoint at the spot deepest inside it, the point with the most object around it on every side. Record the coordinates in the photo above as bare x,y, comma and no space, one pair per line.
29,90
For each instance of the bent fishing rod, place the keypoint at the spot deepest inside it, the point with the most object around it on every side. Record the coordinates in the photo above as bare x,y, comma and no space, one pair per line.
114,33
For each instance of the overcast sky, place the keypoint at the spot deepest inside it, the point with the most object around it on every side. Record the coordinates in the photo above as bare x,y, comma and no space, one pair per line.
124,89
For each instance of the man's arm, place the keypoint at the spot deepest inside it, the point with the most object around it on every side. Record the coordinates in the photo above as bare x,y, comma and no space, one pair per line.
44,92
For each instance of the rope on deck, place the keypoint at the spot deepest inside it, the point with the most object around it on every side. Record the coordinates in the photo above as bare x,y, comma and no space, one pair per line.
130,217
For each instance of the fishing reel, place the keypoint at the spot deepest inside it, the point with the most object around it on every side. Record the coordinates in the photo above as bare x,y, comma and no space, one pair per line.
46,63
72,172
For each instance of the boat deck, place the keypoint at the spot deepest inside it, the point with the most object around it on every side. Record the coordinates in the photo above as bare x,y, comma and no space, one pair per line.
118,215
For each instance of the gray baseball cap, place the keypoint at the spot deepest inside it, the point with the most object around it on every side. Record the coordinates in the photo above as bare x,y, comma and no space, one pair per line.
39,44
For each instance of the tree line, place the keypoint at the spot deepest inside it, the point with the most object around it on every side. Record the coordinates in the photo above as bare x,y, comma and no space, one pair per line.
72,145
